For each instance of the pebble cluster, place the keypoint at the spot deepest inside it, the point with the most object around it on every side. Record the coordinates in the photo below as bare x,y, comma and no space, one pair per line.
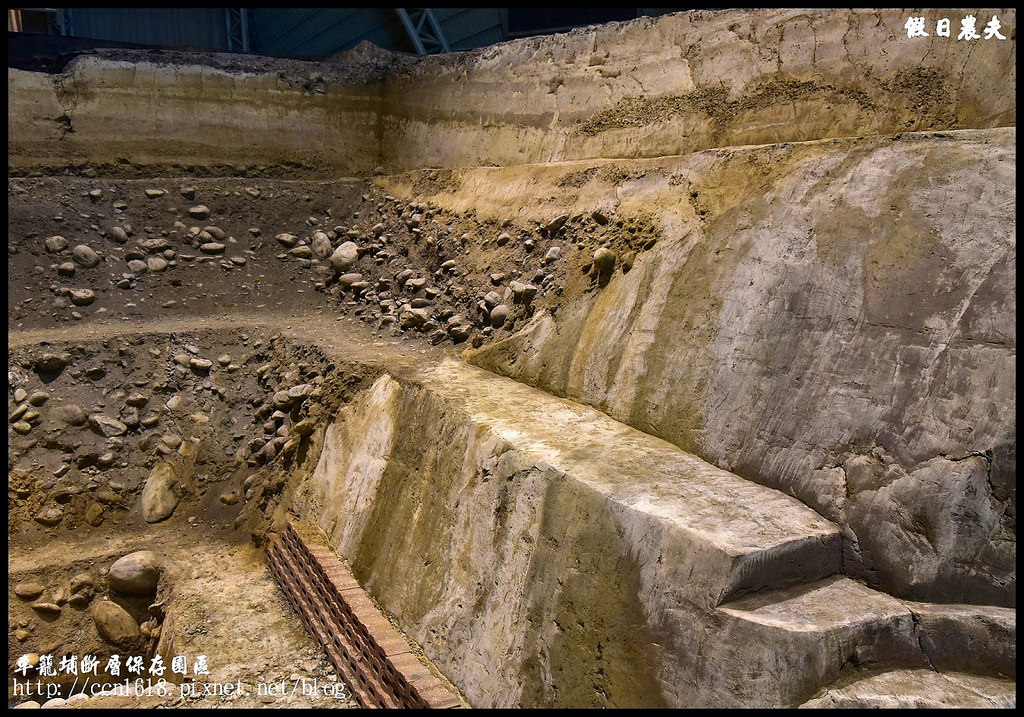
120,600
401,266
128,432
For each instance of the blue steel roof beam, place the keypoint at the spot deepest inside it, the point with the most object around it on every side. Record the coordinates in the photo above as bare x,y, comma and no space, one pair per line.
410,30
423,30
435,30
237,27
65,21
467,28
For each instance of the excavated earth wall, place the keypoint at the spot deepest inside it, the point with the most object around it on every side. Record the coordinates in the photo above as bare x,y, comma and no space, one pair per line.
547,569
835,320
765,457
646,88
145,113
689,81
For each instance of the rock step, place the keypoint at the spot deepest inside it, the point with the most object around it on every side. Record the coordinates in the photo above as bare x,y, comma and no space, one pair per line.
512,533
759,537
968,638
809,633
869,629
917,688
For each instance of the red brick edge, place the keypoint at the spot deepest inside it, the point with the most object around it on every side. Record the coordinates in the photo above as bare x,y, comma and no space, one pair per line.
373,659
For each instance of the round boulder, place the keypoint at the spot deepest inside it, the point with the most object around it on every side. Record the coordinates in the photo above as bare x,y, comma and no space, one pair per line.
604,260
52,363
82,297
56,244
135,574
71,414
345,281
85,256
321,245
28,590
344,256
115,625
499,315
604,264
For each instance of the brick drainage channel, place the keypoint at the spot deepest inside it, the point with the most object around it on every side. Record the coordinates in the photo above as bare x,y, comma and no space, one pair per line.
373,658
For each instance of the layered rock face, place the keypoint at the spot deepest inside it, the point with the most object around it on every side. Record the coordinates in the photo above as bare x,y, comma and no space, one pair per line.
833,320
690,81
646,88
544,554
739,428
139,112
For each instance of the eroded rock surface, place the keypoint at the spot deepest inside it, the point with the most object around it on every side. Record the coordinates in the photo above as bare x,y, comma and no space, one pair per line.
826,289
775,248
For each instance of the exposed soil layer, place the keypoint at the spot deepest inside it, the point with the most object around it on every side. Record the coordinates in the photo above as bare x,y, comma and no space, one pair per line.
779,240
231,455
219,601
86,249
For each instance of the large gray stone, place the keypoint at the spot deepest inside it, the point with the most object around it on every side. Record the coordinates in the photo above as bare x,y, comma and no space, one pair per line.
50,516
82,297
499,315
71,414
106,426
56,244
28,590
200,365
156,263
409,318
522,293
52,362
321,245
300,392
345,281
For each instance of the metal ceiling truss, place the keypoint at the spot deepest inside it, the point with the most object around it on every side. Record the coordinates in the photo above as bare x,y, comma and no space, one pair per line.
423,29
236,21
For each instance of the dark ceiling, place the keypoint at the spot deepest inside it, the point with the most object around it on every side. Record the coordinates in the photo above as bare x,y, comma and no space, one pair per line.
40,35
